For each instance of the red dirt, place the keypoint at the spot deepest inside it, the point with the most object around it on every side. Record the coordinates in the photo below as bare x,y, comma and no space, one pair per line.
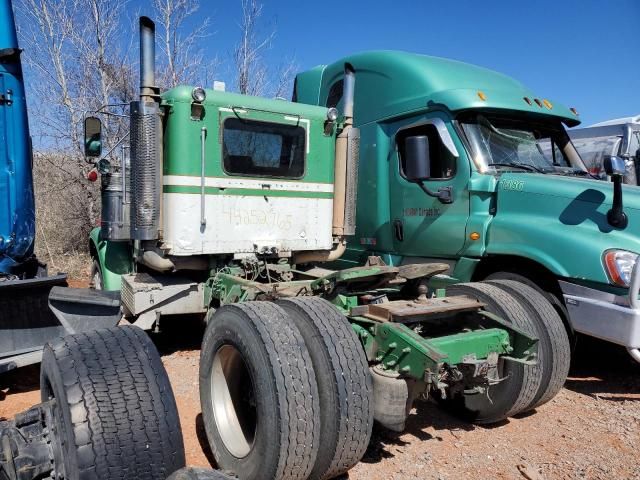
591,430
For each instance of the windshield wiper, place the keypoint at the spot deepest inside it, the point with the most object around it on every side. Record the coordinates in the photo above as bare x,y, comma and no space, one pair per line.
523,166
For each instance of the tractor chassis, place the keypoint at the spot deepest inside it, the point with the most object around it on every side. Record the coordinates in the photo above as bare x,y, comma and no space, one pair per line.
443,344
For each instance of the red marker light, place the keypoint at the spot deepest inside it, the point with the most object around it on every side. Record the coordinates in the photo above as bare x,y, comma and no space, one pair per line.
92,176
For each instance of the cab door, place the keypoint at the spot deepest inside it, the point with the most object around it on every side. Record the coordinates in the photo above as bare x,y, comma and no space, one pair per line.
429,200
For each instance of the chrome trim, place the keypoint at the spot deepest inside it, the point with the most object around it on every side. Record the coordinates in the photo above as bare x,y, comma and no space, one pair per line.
203,137
634,286
443,132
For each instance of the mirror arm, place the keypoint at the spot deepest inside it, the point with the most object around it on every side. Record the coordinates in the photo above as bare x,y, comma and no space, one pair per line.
616,216
444,194
112,149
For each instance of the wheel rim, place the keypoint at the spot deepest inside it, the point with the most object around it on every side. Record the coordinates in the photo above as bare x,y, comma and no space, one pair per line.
233,401
57,434
96,278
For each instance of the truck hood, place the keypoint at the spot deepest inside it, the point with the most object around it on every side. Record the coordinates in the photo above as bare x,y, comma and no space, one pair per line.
561,222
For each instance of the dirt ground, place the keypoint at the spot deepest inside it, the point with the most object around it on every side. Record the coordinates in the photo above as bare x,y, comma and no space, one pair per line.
591,430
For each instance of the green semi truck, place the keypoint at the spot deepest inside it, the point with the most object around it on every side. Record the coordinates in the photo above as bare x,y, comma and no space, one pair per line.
233,208
463,165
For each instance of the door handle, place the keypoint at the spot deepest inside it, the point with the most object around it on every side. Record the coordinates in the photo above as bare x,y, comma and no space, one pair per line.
398,229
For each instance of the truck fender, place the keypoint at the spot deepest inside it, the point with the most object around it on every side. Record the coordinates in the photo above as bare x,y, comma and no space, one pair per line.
115,259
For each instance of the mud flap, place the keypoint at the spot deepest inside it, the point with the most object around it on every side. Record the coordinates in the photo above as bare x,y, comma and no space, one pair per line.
35,313
26,322
82,309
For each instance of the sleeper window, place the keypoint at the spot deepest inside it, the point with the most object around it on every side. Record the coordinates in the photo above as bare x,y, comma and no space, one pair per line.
263,149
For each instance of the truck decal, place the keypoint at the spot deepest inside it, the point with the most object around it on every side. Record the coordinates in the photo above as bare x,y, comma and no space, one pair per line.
510,184
421,212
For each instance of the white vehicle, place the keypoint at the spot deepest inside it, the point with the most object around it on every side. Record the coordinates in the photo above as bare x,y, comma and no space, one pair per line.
620,136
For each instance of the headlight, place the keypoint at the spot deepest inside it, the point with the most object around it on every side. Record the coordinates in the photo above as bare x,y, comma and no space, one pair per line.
619,265
198,94
332,114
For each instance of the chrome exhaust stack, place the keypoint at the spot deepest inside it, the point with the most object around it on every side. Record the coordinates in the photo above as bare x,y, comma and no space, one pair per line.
345,186
146,144
148,90
346,167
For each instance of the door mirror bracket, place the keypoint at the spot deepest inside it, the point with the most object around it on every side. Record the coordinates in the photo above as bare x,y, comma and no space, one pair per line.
615,167
444,194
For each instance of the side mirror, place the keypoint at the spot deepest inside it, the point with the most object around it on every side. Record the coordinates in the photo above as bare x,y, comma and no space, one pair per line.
417,164
92,137
614,165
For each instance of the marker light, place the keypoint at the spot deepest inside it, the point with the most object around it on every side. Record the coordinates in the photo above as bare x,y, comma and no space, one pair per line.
198,94
474,236
547,104
619,265
528,100
92,176
482,96
538,102
574,111
332,114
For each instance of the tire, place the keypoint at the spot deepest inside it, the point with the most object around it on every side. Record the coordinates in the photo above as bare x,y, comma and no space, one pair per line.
521,382
344,384
116,415
200,474
557,303
266,419
96,275
554,347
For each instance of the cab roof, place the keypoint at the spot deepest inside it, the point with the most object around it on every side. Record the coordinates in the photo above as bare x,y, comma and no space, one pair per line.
216,98
402,82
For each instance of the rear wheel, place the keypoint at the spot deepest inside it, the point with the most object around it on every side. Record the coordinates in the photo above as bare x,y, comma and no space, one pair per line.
554,349
344,384
115,414
520,382
258,393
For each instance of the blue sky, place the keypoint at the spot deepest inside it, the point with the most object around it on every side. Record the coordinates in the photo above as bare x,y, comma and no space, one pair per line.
584,54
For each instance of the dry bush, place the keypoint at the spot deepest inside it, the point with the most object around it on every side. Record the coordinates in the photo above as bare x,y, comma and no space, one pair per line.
67,208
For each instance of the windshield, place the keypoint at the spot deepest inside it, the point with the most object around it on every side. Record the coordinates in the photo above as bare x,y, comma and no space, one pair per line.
516,144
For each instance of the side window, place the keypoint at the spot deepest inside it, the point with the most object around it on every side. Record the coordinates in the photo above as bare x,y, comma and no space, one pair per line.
335,94
411,143
263,149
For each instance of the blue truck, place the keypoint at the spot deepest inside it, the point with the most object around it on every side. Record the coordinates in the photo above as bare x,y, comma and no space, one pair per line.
34,306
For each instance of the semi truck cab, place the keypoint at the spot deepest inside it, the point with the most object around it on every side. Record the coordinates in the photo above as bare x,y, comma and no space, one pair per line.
468,166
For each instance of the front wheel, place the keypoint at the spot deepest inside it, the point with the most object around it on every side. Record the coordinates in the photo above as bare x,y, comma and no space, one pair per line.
554,348
96,276
520,383
258,393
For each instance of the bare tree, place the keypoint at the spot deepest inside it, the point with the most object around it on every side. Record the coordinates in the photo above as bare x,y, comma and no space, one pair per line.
284,79
183,58
251,71
75,62
253,74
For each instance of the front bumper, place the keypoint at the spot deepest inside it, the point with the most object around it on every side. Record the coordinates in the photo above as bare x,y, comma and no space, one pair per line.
605,315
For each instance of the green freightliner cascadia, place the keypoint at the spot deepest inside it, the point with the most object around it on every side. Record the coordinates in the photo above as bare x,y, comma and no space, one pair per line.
521,200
